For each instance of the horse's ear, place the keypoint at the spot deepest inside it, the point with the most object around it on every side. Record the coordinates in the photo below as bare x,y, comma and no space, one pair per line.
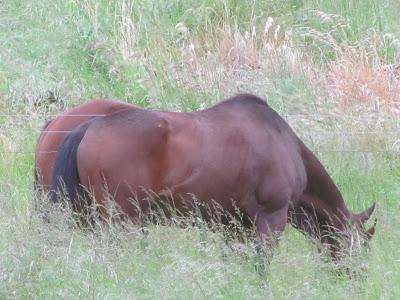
366,214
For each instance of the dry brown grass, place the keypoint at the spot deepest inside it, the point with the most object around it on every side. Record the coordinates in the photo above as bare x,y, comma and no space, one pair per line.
225,58
232,48
353,80
355,75
236,50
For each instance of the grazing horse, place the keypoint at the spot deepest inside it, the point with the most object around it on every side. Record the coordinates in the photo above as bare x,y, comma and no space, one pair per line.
239,154
54,132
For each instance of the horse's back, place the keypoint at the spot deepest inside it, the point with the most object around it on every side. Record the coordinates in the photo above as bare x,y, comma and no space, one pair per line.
224,153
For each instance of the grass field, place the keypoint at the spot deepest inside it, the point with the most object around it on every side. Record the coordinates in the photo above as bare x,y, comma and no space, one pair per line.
330,68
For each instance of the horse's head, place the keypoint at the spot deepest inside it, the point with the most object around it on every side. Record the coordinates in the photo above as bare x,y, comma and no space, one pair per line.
351,234
358,222
338,231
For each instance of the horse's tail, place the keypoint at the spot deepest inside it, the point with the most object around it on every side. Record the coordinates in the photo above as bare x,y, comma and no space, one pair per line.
66,182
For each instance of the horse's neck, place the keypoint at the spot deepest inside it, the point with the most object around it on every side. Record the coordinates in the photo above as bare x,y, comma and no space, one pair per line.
322,191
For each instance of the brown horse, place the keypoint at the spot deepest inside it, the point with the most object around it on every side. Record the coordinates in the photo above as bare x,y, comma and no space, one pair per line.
239,153
54,132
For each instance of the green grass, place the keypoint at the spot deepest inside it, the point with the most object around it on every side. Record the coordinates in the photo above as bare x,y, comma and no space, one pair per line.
54,55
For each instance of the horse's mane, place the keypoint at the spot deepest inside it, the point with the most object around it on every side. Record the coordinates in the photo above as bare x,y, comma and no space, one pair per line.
242,99
259,109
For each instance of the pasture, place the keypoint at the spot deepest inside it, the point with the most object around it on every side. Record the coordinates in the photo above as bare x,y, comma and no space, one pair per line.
330,68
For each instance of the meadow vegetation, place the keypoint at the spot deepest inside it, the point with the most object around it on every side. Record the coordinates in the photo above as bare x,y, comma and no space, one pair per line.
330,68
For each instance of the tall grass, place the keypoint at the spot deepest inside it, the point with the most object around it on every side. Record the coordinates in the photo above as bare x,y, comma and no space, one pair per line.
329,67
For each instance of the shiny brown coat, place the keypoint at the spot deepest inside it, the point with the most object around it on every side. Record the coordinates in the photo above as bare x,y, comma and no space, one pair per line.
239,153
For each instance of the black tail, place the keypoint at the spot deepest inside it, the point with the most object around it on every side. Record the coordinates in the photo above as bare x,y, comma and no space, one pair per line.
66,181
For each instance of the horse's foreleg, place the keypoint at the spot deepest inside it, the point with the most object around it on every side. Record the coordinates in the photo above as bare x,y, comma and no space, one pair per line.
269,225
